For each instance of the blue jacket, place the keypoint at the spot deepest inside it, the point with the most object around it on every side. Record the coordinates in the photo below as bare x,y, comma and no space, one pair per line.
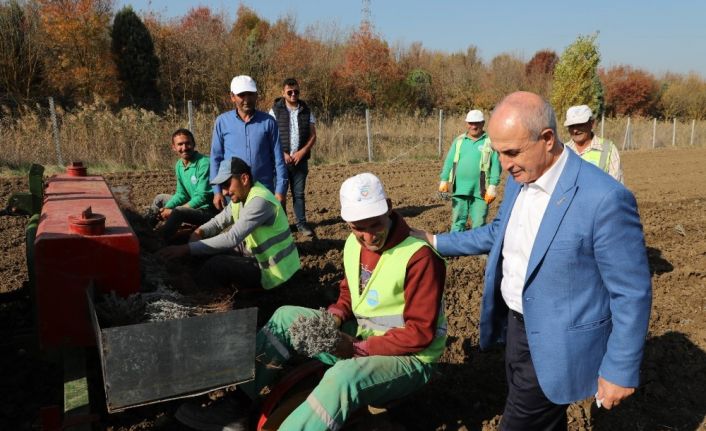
256,142
587,294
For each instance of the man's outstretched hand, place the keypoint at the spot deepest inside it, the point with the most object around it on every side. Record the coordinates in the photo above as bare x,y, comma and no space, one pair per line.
610,395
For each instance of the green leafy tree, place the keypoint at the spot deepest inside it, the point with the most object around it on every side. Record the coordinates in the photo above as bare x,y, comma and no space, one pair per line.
576,80
138,66
419,81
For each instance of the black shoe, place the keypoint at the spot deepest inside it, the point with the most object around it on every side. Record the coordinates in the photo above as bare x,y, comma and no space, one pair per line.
304,229
226,414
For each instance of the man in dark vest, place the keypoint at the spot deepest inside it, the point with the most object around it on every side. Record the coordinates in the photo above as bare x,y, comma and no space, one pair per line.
297,135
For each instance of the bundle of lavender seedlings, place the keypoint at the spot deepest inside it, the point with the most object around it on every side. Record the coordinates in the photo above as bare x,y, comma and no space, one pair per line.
162,304
313,335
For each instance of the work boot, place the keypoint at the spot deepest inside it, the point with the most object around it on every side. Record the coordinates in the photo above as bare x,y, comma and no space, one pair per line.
226,414
304,229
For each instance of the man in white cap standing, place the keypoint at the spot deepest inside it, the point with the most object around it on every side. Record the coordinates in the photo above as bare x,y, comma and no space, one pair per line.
471,173
250,135
389,311
598,151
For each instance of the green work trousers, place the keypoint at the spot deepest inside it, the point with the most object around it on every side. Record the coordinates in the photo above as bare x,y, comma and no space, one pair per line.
347,385
462,207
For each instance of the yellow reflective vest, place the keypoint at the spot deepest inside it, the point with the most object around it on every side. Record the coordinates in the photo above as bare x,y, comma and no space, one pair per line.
272,246
600,158
380,307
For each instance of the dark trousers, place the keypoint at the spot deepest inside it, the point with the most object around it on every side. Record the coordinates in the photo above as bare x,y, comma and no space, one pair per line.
526,407
180,215
297,184
239,269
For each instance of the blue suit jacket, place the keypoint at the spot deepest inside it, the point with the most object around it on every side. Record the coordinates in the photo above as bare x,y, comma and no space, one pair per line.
587,293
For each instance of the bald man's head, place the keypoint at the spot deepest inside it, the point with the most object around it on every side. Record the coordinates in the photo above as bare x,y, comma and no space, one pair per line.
522,130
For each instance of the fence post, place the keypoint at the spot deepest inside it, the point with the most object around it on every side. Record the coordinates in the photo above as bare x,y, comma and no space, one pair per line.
55,126
370,140
627,131
674,132
602,125
654,132
190,108
691,142
441,129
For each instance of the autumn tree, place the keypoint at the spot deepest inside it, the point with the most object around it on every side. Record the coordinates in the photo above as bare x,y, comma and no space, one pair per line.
458,76
324,85
138,66
629,91
79,62
248,53
539,72
576,80
20,51
192,52
684,97
368,68
504,75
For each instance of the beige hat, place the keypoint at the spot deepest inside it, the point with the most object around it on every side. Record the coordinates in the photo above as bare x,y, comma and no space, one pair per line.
578,115
474,116
242,84
362,197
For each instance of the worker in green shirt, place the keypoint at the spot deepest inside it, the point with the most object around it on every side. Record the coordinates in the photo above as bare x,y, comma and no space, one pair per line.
192,202
471,173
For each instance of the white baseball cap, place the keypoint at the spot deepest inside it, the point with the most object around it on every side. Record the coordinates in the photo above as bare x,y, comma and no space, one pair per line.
362,197
242,84
474,116
578,115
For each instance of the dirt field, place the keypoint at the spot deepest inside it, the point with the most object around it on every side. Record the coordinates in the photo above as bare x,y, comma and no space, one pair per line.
468,391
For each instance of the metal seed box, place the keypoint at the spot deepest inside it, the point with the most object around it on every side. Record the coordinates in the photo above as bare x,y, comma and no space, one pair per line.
151,362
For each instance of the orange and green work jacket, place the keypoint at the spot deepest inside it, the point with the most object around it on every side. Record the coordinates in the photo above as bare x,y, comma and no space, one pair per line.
395,296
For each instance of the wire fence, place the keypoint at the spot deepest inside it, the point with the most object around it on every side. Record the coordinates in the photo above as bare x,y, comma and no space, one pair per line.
134,138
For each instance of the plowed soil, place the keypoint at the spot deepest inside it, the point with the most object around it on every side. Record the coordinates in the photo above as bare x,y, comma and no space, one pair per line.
468,391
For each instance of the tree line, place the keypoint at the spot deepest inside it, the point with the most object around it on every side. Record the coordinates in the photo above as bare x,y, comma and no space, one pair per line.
79,51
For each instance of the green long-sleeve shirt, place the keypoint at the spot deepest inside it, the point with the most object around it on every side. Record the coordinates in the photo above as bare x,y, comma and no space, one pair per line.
467,178
192,186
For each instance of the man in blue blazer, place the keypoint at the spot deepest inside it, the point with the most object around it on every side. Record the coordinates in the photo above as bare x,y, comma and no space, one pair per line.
567,283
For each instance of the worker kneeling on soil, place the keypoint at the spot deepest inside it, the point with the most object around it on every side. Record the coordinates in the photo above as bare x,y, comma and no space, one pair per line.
391,319
192,202
257,250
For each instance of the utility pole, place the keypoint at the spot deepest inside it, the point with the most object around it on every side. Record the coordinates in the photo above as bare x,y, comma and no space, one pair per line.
365,16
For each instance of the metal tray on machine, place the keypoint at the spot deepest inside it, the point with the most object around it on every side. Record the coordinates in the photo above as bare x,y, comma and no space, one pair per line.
151,362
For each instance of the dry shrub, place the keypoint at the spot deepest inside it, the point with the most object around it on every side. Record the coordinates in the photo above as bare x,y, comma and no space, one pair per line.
137,139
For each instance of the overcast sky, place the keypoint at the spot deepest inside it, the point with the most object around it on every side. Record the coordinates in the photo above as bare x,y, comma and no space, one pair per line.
656,36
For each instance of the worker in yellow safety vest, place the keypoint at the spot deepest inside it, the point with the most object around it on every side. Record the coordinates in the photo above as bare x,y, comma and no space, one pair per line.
249,240
471,174
390,315
597,151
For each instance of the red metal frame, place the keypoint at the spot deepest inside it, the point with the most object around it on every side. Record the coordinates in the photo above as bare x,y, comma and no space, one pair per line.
278,392
65,262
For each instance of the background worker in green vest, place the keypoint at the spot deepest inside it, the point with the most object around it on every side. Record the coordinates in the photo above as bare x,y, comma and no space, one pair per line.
471,173
390,312
598,151
257,251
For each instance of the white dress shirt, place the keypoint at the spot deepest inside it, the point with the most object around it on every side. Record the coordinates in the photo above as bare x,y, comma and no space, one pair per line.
525,218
